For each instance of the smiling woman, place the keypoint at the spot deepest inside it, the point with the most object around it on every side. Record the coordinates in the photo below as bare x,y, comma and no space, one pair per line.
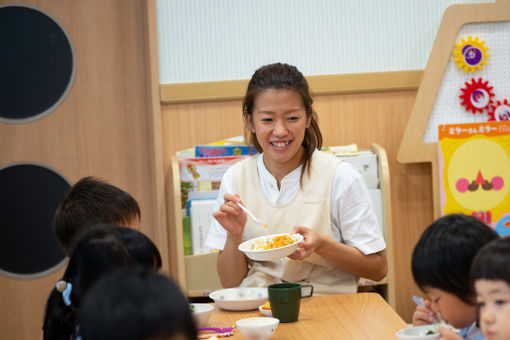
279,123
299,190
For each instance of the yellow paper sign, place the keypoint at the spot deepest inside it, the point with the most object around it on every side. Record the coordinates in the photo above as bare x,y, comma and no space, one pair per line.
474,164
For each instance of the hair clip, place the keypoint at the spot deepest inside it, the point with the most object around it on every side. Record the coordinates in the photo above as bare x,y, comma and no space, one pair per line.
65,288
77,335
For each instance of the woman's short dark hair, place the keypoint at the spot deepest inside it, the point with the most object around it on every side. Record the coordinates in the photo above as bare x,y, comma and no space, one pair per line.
281,76
91,201
493,261
136,304
442,257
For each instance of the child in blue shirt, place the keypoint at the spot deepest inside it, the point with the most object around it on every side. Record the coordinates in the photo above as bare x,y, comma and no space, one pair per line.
441,262
490,274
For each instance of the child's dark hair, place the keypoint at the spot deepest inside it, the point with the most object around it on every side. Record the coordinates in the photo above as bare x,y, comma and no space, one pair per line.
103,249
91,201
281,76
93,256
493,261
442,257
140,247
136,304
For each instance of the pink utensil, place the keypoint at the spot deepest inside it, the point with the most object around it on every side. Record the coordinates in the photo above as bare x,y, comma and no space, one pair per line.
217,329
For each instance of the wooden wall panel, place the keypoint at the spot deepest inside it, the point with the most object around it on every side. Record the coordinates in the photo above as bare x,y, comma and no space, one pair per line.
363,118
103,128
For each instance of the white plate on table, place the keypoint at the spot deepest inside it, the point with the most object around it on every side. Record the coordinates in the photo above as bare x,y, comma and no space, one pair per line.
251,247
239,298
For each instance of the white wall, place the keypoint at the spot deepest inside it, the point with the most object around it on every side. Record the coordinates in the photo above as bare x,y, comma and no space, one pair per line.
210,40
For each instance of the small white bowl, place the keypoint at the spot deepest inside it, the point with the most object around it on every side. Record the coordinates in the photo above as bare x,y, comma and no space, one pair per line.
418,333
257,328
201,313
248,247
265,312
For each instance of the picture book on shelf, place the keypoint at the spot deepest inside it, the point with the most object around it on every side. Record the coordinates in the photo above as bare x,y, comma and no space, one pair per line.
200,212
223,150
203,174
237,141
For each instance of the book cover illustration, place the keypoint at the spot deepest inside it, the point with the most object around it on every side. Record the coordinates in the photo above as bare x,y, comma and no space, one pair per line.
474,171
224,150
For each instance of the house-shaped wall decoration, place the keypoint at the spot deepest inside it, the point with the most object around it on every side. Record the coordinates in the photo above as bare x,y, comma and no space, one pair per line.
448,82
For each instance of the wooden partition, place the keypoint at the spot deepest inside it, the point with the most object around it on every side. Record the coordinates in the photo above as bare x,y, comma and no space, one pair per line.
362,118
103,128
112,125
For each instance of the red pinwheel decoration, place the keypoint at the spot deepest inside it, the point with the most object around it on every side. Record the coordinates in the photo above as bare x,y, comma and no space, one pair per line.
500,111
477,95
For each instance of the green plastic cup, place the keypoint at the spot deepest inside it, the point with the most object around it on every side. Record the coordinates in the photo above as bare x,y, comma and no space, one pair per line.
285,300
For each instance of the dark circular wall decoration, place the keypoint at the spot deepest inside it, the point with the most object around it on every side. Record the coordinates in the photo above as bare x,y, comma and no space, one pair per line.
29,197
37,64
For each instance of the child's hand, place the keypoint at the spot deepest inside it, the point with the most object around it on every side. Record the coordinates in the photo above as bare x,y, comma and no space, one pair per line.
448,334
423,315
230,216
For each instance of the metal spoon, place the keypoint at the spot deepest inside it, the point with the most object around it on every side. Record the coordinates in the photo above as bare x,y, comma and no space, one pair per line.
418,300
256,220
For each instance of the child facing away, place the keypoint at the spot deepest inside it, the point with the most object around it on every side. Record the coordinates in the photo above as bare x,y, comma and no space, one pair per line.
91,201
136,304
100,251
490,274
441,262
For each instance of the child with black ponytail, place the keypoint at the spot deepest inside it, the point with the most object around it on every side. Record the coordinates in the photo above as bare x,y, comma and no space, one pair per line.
99,252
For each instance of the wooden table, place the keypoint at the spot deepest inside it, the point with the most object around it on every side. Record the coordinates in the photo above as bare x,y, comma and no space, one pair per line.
361,316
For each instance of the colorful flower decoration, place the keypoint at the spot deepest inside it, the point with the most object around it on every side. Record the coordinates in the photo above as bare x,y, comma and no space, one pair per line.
470,55
500,111
477,95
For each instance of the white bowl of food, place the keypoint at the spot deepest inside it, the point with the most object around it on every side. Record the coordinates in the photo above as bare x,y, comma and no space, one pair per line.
265,309
201,313
240,298
257,328
271,247
425,332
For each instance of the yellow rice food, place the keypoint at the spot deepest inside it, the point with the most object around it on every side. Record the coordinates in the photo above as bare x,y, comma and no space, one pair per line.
275,242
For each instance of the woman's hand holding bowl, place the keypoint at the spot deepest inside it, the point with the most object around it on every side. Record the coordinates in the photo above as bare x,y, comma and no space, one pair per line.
312,241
